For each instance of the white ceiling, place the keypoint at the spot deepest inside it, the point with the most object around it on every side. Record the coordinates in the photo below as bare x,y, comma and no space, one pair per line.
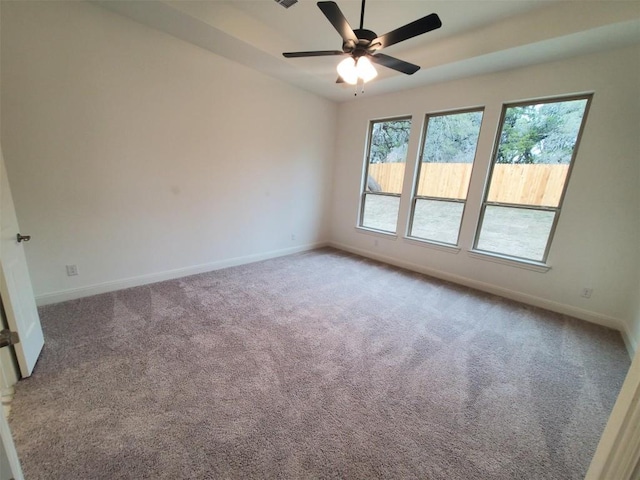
477,36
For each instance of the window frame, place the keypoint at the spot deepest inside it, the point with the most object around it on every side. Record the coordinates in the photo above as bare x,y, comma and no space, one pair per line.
557,210
416,176
365,176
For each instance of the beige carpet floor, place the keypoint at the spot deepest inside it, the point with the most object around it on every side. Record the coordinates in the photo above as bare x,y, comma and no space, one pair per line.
316,365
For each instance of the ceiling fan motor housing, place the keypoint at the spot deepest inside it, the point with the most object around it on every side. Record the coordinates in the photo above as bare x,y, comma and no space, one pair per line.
365,37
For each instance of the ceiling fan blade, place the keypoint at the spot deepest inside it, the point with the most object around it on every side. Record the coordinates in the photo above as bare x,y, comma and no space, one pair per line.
337,19
394,63
410,30
340,79
317,53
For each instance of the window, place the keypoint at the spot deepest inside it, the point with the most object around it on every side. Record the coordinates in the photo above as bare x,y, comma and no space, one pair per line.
443,175
384,174
529,173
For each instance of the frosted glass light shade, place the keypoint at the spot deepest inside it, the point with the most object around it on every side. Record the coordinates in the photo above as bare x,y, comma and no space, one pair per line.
366,70
351,69
347,70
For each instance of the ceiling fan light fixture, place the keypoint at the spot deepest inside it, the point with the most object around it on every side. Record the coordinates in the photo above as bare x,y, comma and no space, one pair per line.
351,70
347,70
361,43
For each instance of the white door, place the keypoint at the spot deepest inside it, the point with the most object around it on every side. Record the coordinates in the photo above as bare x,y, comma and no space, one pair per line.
22,315
15,284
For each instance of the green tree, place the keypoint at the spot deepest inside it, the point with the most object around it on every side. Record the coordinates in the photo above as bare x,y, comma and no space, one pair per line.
452,138
387,138
542,133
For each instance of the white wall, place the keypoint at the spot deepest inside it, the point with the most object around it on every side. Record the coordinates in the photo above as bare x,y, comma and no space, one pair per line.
597,238
137,156
635,317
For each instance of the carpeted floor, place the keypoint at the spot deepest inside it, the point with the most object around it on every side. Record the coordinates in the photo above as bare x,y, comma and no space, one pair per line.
317,365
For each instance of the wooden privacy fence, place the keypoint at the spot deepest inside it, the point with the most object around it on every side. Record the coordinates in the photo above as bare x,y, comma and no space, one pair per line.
520,184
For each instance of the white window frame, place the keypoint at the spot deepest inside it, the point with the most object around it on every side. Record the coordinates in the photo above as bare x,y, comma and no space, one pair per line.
557,210
365,177
414,193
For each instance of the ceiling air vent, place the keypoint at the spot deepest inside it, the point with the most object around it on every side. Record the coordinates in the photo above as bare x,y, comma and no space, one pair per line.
287,3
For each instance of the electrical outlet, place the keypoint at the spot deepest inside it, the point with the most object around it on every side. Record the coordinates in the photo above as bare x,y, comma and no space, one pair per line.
586,292
72,270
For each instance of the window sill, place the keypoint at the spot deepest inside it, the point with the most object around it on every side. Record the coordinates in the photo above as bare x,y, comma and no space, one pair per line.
443,247
496,258
371,231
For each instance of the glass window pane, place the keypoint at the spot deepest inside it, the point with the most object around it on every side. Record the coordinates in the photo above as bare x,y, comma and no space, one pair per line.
380,212
449,150
387,155
518,232
448,154
534,153
533,157
436,220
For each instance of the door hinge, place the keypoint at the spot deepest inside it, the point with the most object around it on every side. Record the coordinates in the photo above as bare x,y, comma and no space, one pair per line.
7,337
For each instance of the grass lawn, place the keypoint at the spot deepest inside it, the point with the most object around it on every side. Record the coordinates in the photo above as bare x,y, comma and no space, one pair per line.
507,230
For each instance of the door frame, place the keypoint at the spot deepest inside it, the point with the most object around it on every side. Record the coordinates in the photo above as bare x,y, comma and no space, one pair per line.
9,370
618,453
10,449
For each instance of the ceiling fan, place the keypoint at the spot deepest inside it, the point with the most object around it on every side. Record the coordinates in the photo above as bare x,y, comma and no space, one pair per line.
361,45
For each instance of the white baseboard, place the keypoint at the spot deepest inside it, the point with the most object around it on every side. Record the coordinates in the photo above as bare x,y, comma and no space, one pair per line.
554,306
111,286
